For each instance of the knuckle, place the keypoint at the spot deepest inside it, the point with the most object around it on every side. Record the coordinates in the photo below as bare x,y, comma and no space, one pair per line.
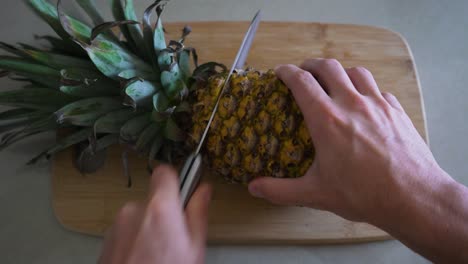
331,63
360,71
307,62
364,108
327,110
357,101
389,112
126,212
388,95
302,76
157,206
333,117
284,70
285,67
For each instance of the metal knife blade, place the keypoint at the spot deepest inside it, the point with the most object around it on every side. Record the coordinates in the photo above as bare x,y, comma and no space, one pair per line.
239,62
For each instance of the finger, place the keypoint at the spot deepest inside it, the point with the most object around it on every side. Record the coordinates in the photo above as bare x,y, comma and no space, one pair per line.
331,75
363,81
120,235
392,100
128,220
197,214
107,246
307,92
281,190
164,183
302,84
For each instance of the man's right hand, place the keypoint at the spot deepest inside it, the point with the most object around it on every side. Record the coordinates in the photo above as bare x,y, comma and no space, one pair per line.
367,149
371,165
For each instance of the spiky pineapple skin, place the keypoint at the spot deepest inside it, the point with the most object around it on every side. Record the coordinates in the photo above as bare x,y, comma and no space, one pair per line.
258,129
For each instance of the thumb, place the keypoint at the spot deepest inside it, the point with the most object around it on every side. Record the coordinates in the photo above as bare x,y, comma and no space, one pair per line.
282,191
197,214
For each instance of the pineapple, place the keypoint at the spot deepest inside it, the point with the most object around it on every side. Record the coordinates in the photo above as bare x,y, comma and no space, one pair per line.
257,130
138,90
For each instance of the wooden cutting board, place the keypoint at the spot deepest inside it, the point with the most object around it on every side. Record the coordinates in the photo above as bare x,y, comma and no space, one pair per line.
88,203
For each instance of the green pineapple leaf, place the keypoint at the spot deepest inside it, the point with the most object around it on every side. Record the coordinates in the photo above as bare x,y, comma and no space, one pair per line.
159,40
111,59
118,11
102,143
113,121
86,91
26,46
184,65
152,47
172,83
58,61
60,46
131,130
173,132
107,54
140,93
160,102
165,60
86,111
48,13
148,134
40,125
74,28
155,148
81,75
136,34
131,74
87,83
16,118
37,80
37,98
13,50
93,156
63,143
21,114
22,66
106,26
12,114
89,6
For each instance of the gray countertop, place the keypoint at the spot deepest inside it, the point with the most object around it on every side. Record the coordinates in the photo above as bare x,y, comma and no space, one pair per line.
436,32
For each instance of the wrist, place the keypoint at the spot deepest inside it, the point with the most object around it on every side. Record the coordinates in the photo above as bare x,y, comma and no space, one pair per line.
410,197
429,216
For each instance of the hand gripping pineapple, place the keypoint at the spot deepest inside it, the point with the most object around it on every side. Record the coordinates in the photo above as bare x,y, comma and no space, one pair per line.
141,91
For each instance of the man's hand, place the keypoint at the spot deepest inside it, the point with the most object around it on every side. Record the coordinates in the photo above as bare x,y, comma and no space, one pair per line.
158,230
366,145
371,164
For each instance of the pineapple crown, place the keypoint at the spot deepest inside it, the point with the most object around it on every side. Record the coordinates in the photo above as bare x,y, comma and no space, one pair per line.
108,88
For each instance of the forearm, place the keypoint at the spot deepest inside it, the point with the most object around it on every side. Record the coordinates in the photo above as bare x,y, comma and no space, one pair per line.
432,219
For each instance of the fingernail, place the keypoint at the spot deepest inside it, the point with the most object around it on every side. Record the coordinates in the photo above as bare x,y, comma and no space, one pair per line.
254,191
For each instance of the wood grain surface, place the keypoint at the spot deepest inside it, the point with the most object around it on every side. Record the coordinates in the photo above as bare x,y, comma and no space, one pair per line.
88,203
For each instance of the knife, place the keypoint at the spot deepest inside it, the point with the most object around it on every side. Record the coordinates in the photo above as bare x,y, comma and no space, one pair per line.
190,173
